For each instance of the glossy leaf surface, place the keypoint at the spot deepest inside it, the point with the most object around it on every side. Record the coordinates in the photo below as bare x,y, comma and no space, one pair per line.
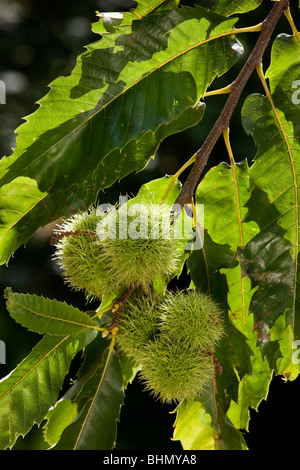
126,94
46,315
27,393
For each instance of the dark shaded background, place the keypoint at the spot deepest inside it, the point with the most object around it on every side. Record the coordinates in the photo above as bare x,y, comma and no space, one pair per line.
38,42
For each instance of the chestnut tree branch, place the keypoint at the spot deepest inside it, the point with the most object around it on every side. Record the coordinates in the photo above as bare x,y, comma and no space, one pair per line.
236,88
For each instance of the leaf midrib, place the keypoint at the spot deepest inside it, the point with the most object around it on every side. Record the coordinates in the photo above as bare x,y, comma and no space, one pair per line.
110,350
295,187
92,116
63,320
32,368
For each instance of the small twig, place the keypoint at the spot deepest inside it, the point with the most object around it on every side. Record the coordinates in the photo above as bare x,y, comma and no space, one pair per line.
176,176
100,312
216,362
220,91
119,307
236,88
59,236
288,16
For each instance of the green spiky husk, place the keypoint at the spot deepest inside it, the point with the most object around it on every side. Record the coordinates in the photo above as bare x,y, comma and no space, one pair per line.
144,258
173,371
192,317
81,256
172,338
138,324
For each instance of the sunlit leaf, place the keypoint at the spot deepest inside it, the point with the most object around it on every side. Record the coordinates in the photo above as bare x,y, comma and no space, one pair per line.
272,257
225,192
229,7
27,393
46,315
58,418
193,427
95,426
127,93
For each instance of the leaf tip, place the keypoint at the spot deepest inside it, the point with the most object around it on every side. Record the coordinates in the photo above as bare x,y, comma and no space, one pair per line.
7,292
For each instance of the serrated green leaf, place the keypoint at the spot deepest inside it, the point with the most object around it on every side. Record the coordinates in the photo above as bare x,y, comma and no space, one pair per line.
275,130
110,23
145,7
206,275
193,427
233,354
58,418
201,425
212,257
19,201
268,262
28,392
225,193
94,358
135,88
253,388
46,315
156,189
274,125
95,427
215,403
229,7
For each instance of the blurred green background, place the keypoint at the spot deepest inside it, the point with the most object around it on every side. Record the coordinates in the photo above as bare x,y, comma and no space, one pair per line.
38,42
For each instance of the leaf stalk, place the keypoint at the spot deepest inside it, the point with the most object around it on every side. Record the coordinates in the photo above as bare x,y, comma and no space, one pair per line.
222,123
289,17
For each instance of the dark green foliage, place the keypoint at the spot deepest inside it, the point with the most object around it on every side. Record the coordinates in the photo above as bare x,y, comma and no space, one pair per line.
214,349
